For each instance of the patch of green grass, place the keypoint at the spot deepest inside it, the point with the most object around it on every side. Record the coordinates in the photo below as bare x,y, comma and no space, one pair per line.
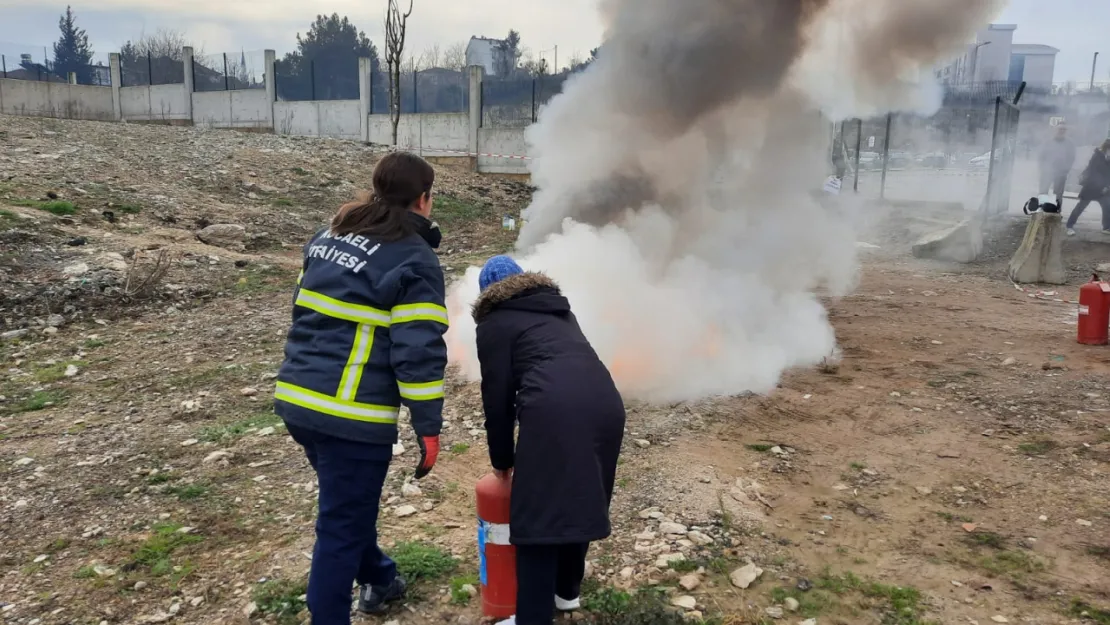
810,604
418,561
1082,609
154,555
238,429
1038,447
283,202
683,566
1099,551
899,605
40,400
857,466
760,447
458,595
460,448
159,478
188,492
56,207
281,598
85,572
948,517
300,171
128,209
94,343
264,279
8,219
1011,563
987,539
450,211
604,600
622,483
55,372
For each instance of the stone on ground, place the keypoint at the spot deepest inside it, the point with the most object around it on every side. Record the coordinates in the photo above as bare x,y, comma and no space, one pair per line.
745,575
223,235
1040,259
961,243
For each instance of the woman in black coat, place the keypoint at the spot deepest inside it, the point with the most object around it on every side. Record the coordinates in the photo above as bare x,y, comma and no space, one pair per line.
1095,182
539,370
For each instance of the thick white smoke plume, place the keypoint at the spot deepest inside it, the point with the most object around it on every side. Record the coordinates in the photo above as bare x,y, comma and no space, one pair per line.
675,176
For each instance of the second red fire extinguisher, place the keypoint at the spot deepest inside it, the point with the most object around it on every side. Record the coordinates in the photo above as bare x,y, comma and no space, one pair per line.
1094,312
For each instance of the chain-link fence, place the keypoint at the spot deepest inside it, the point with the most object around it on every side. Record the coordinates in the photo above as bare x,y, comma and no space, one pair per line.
229,71
141,70
325,78
439,90
34,62
965,153
517,102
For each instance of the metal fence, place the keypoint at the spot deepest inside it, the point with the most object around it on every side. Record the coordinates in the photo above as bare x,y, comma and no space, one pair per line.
517,102
146,70
33,62
229,71
965,154
333,78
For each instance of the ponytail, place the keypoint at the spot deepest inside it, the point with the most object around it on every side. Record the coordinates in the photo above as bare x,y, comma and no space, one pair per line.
400,180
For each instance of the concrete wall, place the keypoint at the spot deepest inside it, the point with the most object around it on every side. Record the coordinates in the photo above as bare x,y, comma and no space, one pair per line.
1040,69
55,99
508,141
338,119
249,108
433,134
158,103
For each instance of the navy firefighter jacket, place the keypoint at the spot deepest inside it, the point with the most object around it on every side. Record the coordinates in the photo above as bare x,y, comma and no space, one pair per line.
367,336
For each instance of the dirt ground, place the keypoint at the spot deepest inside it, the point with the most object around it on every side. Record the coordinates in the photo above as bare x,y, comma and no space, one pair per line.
951,468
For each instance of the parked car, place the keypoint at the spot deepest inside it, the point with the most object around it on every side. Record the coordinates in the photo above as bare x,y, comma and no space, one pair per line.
982,161
899,160
936,160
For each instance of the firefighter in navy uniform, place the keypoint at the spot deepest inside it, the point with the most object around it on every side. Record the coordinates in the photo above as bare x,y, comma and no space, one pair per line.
367,337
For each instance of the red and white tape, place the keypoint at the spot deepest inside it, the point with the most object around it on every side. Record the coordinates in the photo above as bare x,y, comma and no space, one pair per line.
421,150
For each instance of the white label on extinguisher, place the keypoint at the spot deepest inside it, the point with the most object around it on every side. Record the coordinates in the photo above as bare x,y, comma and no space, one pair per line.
1084,310
496,533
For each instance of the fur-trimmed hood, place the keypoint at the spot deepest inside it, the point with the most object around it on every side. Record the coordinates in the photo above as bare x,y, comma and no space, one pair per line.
514,287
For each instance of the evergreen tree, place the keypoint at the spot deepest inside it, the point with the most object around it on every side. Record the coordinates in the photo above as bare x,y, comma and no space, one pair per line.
327,55
72,52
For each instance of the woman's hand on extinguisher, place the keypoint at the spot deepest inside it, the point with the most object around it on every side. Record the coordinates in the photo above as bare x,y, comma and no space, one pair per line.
507,474
429,453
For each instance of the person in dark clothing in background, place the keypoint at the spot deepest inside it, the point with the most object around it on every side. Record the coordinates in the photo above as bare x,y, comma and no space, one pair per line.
539,370
1056,159
1095,181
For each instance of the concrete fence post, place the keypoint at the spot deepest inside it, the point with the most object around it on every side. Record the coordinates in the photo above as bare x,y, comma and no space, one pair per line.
270,58
365,86
475,72
117,80
72,78
188,86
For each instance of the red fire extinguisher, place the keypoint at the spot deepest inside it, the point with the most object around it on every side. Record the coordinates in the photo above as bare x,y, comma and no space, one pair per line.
1094,312
496,555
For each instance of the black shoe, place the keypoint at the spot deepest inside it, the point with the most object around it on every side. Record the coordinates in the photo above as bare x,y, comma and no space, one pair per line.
373,599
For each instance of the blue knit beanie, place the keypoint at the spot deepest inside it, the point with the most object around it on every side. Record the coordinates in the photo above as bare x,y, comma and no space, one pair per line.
497,269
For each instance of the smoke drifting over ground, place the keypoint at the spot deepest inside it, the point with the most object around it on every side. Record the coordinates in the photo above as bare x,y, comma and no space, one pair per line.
675,176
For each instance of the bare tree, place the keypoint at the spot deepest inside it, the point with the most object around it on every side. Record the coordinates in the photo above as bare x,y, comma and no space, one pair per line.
429,58
395,24
454,58
163,43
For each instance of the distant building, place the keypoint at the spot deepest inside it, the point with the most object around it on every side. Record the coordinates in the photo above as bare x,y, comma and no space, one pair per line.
994,57
485,52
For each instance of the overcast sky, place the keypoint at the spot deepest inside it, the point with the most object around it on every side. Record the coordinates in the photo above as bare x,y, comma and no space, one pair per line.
1076,27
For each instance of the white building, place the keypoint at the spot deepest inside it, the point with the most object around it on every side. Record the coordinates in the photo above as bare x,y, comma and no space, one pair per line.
483,51
993,56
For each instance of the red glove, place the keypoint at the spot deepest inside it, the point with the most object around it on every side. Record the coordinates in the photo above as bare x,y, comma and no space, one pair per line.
429,452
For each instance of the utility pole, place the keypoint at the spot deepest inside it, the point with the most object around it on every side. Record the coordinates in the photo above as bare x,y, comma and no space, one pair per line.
556,68
1094,66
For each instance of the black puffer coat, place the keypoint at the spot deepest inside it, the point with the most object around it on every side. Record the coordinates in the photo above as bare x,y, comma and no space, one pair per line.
538,369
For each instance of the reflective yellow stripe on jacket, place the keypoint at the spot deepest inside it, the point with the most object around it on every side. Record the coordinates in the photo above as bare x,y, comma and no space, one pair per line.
334,406
342,310
421,392
418,312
